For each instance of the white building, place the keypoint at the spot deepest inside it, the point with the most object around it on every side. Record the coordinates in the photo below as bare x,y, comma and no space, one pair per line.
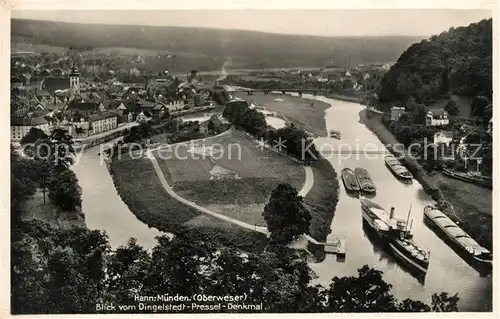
437,118
103,122
143,117
19,127
175,106
443,137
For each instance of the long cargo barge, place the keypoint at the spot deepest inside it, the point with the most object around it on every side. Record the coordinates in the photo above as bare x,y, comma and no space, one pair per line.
364,180
397,168
396,234
457,236
350,181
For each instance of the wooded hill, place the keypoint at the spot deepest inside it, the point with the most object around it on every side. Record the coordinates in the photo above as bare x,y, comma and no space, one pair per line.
247,49
457,61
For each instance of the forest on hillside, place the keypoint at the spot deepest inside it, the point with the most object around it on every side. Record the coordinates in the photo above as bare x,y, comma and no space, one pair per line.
458,61
247,49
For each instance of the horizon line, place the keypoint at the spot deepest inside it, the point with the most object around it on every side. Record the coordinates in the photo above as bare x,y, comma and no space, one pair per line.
422,36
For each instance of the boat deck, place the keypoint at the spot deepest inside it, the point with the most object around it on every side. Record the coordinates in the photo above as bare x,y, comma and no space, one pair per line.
336,247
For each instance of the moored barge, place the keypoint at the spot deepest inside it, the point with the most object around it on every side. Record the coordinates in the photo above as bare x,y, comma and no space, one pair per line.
350,181
364,180
397,168
457,236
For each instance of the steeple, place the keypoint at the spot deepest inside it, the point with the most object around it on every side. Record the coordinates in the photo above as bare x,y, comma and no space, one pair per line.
74,80
74,71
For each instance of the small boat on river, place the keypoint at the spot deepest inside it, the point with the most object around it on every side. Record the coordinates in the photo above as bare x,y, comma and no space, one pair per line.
335,134
350,181
395,234
397,168
364,180
457,236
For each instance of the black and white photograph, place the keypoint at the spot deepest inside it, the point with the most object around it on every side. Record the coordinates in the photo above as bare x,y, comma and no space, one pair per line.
262,160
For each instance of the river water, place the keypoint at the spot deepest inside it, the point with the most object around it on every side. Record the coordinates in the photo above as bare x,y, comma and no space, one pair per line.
447,271
104,210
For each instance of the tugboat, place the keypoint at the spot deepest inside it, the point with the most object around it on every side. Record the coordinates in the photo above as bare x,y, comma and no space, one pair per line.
397,168
364,180
457,236
396,234
350,181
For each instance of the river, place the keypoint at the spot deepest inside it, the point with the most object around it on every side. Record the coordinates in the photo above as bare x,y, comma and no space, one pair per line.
447,271
104,208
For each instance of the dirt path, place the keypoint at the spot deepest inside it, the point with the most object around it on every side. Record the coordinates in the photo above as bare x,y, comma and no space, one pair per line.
308,184
201,209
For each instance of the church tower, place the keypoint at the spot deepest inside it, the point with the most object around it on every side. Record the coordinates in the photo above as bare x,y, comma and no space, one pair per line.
74,80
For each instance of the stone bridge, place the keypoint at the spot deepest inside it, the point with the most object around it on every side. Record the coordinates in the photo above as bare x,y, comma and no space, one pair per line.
314,92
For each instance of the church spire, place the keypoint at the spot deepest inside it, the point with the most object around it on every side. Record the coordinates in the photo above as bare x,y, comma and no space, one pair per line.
74,71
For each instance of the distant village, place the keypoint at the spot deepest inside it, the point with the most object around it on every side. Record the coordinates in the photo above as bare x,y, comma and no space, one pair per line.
85,107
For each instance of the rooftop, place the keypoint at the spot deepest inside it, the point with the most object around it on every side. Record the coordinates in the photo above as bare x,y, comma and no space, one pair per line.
101,116
35,121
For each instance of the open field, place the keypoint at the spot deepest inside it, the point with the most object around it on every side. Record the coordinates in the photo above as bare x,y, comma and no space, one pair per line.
36,48
241,196
306,116
140,188
234,152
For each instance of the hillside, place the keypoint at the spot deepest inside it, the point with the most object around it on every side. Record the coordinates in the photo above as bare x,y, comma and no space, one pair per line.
247,49
455,62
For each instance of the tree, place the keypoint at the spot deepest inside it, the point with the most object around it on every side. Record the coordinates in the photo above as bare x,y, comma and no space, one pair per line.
33,135
285,214
57,270
23,183
455,62
367,292
479,106
452,108
64,191
56,150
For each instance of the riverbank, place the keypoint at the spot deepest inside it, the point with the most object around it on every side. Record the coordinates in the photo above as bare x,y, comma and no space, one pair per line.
452,196
308,115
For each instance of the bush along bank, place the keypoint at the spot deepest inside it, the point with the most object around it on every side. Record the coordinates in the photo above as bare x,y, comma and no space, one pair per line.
376,125
321,201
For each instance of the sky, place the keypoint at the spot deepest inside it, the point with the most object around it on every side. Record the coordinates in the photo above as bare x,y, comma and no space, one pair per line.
374,22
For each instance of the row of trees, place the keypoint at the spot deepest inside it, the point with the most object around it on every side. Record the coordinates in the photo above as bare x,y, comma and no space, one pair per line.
295,140
59,271
45,166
